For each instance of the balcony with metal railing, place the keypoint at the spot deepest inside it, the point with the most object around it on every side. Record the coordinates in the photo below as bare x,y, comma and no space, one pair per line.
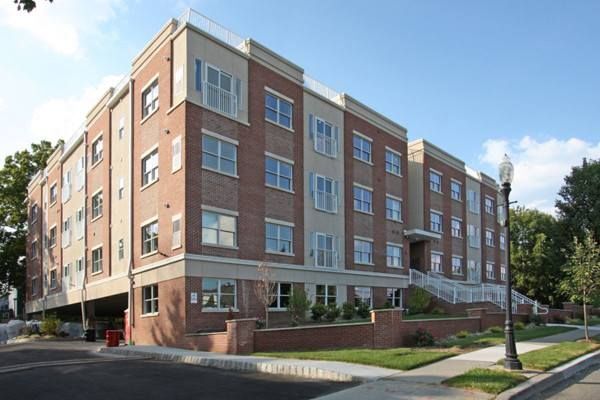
219,99
325,145
325,201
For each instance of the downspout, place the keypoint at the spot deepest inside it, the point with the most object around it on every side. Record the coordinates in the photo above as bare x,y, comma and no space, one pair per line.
130,190
85,199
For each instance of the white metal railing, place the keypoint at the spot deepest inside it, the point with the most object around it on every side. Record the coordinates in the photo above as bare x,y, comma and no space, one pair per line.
74,138
219,99
209,26
326,258
66,193
66,238
457,292
325,145
320,88
326,201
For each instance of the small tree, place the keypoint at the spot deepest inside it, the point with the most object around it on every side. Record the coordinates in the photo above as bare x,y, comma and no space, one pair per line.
582,282
298,306
265,289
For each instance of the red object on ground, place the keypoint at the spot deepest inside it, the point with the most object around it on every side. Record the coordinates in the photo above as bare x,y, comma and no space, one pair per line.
112,338
127,327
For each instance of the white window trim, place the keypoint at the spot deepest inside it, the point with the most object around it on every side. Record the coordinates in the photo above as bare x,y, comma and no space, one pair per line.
401,255
50,190
278,94
364,239
279,158
284,160
441,214
493,238
441,254
92,205
279,222
175,140
217,309
220,137
461,227
142,90
461,191
364,188
224,139
142,225
391,196
282,223
435,171
399,154
92,260
173,219
285,98
461,265
218,210
357,133
94,140
144,155
55,239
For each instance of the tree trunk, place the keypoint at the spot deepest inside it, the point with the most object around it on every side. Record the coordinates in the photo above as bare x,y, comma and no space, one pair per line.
585,319
267,317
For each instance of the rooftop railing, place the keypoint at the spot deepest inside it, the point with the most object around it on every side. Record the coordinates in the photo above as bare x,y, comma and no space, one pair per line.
74,138
209,26
320,88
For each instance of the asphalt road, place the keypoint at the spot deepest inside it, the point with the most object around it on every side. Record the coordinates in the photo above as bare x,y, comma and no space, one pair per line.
583,386
142,379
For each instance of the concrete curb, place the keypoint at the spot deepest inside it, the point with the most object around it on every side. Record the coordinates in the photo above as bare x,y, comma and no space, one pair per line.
545,380
269,366
45,364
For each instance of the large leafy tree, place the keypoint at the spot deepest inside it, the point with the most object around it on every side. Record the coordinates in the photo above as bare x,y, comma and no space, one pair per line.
536,257
15,175
582,281
27,5
579,202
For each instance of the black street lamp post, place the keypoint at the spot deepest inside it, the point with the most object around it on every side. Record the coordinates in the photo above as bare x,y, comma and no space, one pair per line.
511,359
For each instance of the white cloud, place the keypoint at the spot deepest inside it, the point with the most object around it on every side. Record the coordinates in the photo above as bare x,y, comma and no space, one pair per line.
540,165
58,118
61,25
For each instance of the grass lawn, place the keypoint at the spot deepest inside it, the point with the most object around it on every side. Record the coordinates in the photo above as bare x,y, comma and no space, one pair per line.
591,321
486,380
553,356
492,339
398,358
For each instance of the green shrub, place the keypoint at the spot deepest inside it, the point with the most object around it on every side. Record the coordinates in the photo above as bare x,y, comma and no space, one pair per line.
298,306
495,329
418,301
423,338
332,312
536,319
519,326
558,319
318,310
348,310
438,311
362,309
50,325
461,334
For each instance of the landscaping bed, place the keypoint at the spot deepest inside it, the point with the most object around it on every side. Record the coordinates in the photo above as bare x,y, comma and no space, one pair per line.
551,357
492,381
398,358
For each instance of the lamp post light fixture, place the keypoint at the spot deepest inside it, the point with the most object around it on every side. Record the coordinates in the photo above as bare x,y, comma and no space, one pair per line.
511,359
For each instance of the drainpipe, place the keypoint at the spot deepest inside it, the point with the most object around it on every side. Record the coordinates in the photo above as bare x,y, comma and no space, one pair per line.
130,190
85,199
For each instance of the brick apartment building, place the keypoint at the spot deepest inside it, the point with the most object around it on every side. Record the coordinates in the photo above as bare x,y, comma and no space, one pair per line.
216,154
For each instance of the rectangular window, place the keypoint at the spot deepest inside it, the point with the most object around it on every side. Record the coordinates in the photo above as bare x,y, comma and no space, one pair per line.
35,210
326,138
219,229
363,199
435,181
53,281
326,294
489,238
502,242
176,154
456,228
394,297
66,232
121,128
361,148
503,273
121,249
52,237
176,228
80,173
435,221
362,295
219,155
473,201
66,270
218,293
489,271
97,150
281,295
34,286
393,209
97,260
474,236
150,238
53,194
278,238
457,267
66,186
394,256
97,205
325,193
278,110
278,174
34,249
489,205
79,221
150,168
121,192
150,299
456,190
150,99
363,251
325,250
436,262
392,162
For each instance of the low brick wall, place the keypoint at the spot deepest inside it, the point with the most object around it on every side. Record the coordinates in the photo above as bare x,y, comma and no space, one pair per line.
314,337
215,342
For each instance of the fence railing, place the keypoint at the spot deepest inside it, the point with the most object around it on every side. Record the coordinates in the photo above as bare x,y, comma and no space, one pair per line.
320,88
326,201
209,26
325,145
457,292
219,99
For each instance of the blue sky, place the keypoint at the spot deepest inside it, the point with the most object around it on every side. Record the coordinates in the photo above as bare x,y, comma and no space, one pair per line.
476,78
